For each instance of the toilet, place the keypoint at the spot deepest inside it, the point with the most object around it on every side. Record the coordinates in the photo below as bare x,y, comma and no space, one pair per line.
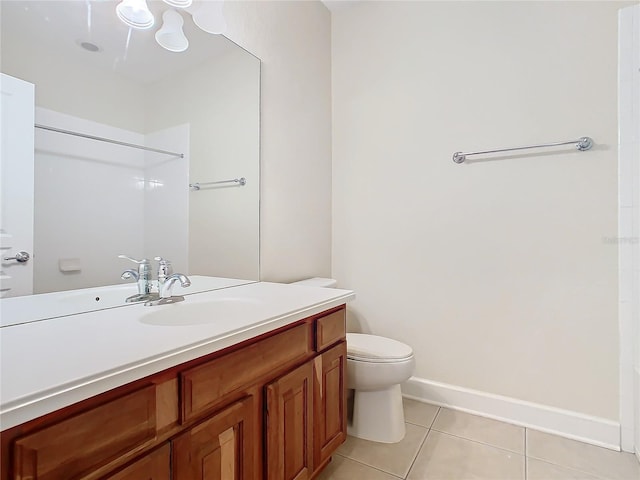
376,366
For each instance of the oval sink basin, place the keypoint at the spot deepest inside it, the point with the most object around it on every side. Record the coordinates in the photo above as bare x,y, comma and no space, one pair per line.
234,309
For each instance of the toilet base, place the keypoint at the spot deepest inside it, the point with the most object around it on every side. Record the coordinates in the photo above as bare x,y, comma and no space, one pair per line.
378,415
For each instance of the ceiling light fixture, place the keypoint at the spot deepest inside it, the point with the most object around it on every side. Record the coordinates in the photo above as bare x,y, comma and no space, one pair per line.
170,36
208,16
179,3
135,13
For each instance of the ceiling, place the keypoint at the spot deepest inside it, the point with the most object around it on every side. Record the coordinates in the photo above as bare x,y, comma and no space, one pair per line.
58,27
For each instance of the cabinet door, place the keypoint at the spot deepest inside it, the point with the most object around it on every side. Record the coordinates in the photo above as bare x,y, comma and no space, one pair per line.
153,466
290,425
219,448
329,402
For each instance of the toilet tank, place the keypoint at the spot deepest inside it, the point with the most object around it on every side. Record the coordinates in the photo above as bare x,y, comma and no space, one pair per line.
317,282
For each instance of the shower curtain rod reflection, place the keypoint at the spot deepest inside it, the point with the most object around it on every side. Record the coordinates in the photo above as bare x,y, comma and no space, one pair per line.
582,144
107,140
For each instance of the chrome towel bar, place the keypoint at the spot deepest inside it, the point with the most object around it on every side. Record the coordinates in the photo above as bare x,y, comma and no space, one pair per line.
582,144
240,181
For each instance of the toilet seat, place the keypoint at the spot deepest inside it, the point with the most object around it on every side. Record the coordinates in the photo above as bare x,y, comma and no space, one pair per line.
372,348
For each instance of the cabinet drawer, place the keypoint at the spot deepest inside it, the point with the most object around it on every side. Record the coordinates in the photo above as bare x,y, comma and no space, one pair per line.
84,442
153,466
205,386
330,329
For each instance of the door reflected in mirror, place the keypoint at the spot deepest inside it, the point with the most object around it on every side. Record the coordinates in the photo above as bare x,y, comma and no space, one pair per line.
95,200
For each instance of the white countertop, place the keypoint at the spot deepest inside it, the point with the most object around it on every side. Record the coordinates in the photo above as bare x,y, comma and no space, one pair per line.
49,364
43,306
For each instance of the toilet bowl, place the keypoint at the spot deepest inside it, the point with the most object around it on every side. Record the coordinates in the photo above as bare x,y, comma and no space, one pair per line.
376,366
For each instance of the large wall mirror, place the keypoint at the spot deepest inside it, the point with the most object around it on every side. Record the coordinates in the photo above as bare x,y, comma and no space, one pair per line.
94,200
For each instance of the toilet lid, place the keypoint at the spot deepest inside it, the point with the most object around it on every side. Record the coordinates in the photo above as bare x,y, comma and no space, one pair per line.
373,348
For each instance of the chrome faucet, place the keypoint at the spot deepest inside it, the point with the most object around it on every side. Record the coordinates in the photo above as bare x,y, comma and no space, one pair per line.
166,281
166,290
142,277
167,286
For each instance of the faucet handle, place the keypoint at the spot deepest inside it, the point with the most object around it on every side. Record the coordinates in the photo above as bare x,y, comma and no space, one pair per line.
144,269
164,268
141,262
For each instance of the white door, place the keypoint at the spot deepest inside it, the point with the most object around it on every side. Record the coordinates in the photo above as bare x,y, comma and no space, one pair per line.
16,186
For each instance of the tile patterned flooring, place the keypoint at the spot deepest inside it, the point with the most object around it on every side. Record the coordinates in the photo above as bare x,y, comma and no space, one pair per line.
445,444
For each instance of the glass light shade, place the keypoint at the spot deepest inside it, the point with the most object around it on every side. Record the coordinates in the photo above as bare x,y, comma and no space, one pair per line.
135,13
179,3
208,16
171,36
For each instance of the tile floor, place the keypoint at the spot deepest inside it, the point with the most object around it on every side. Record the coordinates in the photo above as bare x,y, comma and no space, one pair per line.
448,445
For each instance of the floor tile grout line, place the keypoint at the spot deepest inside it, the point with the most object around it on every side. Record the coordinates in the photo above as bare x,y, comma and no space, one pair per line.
433,420
370,466
479,442
417,424
424,440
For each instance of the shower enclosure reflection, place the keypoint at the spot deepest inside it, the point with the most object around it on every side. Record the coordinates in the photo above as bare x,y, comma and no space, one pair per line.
94,200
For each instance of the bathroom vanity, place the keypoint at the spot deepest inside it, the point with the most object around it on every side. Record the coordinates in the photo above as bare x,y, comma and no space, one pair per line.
241,383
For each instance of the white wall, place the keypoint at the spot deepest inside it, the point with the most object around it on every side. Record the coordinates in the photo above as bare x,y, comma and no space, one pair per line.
292,39
499,273
166,197
629,225
224,221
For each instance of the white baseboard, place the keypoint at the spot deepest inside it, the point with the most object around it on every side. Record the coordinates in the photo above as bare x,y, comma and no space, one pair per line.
565,423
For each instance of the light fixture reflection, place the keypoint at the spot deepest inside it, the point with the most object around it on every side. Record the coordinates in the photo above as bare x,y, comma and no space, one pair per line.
135,13
171,36
179,3
208,16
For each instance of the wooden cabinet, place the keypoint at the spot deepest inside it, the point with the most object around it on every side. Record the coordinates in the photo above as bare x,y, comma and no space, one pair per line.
272,407
206,386
330,329
153,466
82,443
218,448
306,416
329,403
290,425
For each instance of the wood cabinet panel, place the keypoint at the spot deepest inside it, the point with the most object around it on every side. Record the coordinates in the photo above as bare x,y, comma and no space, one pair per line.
290,425
219,448
205,386
329,402
330,329
153,466
88,440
